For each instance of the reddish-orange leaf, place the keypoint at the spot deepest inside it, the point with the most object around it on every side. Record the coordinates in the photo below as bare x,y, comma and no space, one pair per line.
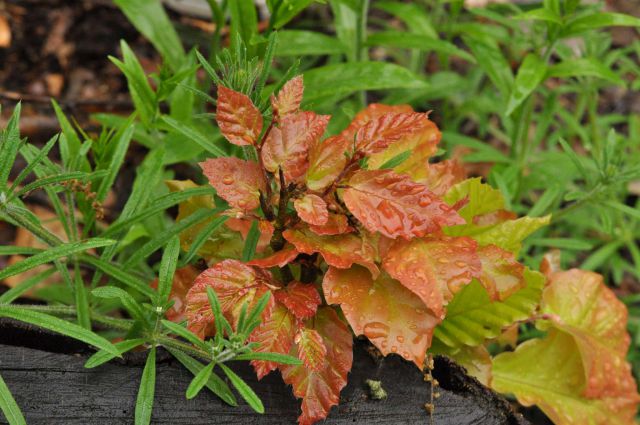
422,141
274,335
590,312
340,251
237,181
302,299
320,389
289,97
243,226
311,349
441,176
434,268
235,283
392,204
326,160
371,112
277,259
239,120
312,209
501,274
287,146
381,132
391,316
182,281
336,224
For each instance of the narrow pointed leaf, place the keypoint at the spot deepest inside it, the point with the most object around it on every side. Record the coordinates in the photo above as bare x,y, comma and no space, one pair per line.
146,392
199,381
57,325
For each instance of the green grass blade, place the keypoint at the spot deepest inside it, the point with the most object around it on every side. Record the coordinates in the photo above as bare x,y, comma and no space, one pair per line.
119,274
167,269
215,384
186,334
57,325
161,239
202,237
102,356
17,291
190,133
82,300
243,389
9,146
146,393
199,381
251,242
156,206
9,406
35,162
130,304
53,254
216,308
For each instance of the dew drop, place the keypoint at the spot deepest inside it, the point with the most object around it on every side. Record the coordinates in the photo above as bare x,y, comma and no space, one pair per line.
227,180
376,330
400,339
443,260
394,349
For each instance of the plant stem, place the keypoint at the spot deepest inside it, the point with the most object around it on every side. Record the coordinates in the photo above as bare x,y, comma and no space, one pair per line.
174,343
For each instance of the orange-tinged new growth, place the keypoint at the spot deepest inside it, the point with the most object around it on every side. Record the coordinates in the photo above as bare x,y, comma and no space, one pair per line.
340,251
311,348
239,120
434,268
237,181
327,159
320,388
597,319
274,335
277,259
243,225
336,224
235,283
289,97
412,248
385,130
302,299
393,318
312,209
577,373
501,274
394,205
287,145
373,111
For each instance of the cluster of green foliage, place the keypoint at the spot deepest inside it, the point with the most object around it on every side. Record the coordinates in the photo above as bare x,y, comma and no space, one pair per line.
508,86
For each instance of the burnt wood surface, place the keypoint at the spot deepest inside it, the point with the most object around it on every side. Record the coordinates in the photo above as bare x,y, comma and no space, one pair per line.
46,376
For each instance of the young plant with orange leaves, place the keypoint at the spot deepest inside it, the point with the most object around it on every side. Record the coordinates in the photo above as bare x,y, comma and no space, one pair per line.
359,233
